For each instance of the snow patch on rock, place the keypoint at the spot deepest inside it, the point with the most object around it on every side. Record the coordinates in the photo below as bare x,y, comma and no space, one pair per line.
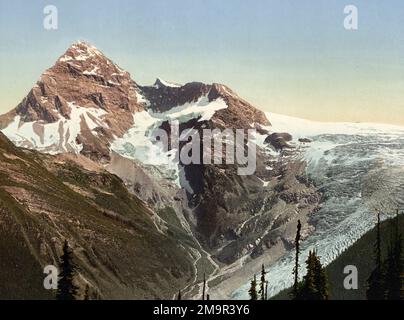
160,82
138,143
57,137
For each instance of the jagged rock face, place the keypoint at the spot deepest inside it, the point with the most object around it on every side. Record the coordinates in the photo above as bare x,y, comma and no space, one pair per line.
279,140
221,199
85,77
239,114
162,97
235,215
84,89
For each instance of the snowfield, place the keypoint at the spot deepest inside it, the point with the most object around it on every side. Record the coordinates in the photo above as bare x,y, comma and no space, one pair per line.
359,168
138,143
56,137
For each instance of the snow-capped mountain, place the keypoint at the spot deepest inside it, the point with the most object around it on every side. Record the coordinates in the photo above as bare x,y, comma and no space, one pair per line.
85,101
85,104
79,105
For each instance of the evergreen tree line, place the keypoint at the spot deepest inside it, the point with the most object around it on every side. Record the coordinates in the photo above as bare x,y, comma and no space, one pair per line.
314,285
262,293
385,282
387,278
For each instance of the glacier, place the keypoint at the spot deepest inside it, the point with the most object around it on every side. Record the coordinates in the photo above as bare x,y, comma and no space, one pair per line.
359,168
138,143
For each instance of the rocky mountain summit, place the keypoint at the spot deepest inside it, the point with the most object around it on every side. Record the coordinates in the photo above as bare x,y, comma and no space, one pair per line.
78,105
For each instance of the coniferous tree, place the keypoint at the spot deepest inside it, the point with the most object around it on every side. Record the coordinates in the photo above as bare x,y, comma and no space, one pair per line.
392,281
179,295
253,289
309,290
394,262
87,293
204,286
401,264
320,279
376,290
262,283
399,259
402,286
402,280
315,283
66,287
295,291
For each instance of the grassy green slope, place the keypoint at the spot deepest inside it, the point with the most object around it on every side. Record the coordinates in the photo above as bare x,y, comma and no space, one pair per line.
119,248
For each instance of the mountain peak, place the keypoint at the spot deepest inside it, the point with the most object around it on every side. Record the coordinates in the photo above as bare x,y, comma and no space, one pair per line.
82,51
85,96
162,83
82,43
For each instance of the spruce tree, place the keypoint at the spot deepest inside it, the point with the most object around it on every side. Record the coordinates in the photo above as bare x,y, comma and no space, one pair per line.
262,284
402,284
401,263
253,289
315,283
392,276
87,293
66,288
309,290
320,279
204,286
376,289
394,262
295,291
398,255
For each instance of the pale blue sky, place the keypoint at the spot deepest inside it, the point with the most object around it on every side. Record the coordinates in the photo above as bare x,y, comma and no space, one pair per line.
291,57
